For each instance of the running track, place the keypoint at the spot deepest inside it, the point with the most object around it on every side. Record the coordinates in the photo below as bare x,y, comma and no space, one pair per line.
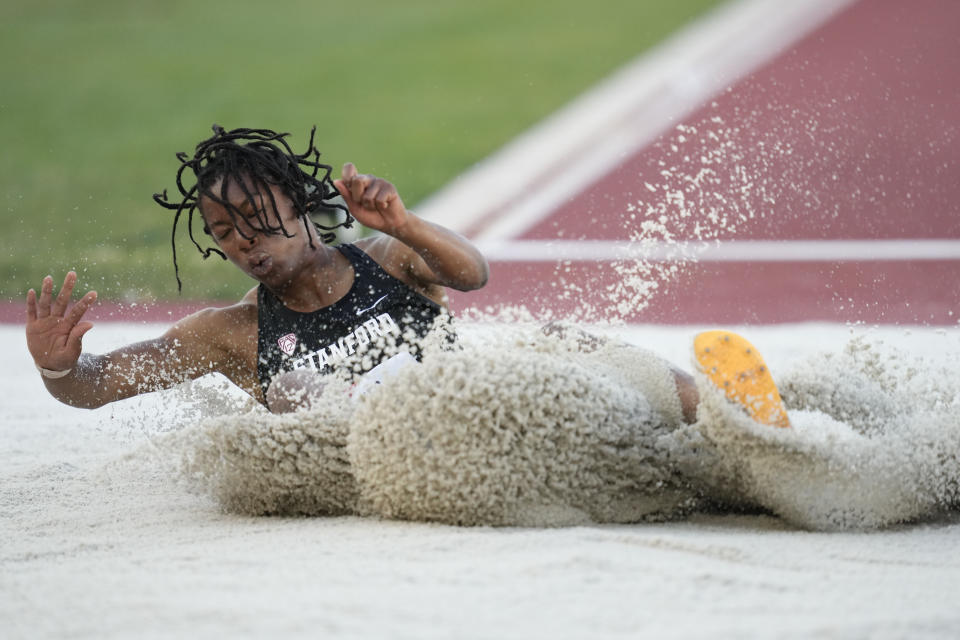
848,141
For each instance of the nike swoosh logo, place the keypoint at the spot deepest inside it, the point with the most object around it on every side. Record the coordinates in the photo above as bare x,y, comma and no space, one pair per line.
363,311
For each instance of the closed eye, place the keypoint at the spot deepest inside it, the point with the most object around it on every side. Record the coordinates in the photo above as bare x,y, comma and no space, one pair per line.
220,231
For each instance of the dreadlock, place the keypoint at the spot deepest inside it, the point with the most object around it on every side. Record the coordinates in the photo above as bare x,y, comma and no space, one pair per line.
264,157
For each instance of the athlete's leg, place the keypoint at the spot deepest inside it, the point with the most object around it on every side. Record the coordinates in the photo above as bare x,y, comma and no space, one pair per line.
684,386
689,396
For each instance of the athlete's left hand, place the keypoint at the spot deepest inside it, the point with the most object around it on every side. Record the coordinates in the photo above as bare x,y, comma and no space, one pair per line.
373,201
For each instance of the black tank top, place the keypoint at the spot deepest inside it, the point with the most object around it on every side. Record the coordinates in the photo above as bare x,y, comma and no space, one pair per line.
377,318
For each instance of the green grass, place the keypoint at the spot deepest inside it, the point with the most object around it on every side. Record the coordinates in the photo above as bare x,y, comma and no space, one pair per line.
98,95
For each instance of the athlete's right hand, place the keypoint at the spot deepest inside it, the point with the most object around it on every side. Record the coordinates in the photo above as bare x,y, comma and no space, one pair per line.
54,336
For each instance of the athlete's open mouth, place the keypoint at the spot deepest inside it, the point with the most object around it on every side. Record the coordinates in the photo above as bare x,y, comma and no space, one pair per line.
260,264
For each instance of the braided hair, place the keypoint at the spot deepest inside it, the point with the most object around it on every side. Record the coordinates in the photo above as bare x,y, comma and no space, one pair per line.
264,157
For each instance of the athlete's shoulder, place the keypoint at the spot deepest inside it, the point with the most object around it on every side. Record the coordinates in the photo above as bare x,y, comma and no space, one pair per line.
402,262
245,310
219,324
393,256
377,247
382,249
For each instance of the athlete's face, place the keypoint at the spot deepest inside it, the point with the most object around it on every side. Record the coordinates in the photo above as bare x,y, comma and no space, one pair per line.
271,258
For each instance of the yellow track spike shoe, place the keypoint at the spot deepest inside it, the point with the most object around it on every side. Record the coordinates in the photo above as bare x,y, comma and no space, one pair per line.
735,366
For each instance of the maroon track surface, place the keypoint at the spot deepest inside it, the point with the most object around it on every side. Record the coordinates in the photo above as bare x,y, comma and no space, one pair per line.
851,134
875,292
15,312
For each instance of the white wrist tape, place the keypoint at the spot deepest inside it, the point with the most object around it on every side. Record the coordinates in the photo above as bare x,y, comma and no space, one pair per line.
50,373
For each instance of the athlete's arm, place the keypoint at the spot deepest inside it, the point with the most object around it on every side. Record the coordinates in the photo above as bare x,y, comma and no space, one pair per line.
425,252
186,351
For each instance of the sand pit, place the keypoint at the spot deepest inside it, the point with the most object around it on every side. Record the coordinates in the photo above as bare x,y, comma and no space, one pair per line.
103,537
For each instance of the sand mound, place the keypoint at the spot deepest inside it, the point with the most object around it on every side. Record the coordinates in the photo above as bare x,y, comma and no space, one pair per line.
258,463
525,430
512,438
875,441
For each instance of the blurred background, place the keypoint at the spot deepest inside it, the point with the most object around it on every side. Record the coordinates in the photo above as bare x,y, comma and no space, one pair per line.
98,96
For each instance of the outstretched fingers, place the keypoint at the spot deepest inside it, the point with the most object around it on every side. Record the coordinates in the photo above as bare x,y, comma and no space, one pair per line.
54,333
44,305
76,334
46,293
31,305
83,304
63,298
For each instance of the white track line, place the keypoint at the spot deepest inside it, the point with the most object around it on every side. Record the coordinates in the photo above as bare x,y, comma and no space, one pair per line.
727,251
516,187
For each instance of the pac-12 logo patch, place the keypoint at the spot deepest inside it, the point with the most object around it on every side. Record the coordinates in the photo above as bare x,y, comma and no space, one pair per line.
288,343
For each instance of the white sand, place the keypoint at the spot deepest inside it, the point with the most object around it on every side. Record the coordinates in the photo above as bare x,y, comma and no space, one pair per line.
98,539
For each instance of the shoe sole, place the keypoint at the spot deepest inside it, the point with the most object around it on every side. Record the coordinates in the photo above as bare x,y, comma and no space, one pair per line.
733,365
